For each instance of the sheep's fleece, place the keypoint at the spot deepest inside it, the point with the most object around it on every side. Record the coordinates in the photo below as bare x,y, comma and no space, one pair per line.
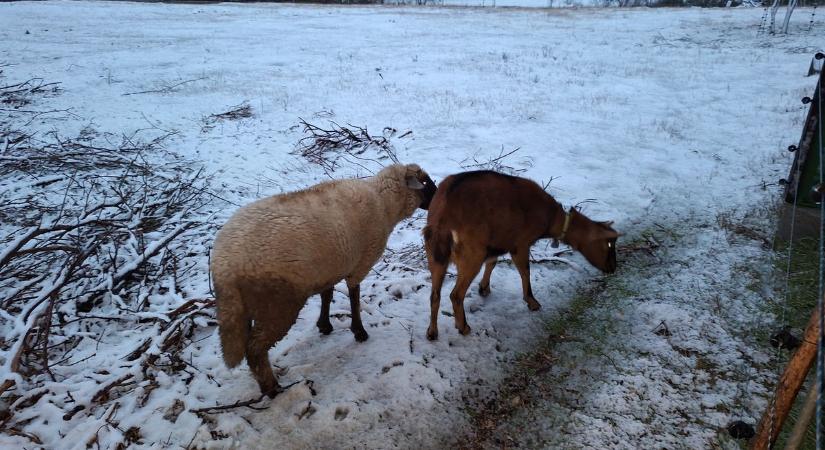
276,252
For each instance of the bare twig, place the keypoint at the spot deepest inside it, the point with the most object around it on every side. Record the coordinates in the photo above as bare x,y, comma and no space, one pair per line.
166,89
494,163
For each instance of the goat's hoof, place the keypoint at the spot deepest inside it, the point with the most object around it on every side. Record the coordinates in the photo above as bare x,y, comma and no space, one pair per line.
464,331
360,335
484,290
432,334
324,328
533,305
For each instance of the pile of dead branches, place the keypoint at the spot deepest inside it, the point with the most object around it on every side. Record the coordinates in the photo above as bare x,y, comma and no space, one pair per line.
13,98
92,233
335,145
237,112
20,94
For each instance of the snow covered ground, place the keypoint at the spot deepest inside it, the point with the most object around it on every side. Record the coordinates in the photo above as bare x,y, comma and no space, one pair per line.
672,122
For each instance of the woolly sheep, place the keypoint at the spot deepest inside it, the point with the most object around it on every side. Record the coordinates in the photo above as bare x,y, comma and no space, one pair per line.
274,253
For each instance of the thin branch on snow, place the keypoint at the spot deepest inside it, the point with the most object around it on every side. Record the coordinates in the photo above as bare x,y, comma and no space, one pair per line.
166,89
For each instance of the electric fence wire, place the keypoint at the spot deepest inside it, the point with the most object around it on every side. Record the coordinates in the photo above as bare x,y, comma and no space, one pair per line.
795,177
820,351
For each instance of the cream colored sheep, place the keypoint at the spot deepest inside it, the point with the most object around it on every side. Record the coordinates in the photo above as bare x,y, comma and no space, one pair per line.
276,252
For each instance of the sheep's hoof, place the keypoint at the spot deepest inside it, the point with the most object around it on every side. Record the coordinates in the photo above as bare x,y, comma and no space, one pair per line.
484,290
361,335
271,389
324,328
533,305
432,333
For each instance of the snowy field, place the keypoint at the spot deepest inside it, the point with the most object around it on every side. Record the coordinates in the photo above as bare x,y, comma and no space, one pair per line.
671,122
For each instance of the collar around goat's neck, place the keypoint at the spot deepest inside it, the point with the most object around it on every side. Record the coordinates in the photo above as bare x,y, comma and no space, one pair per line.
566,226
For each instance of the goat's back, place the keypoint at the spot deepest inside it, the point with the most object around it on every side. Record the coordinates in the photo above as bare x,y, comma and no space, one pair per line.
491,207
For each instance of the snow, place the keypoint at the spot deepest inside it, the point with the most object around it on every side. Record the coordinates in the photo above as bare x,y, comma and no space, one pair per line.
663,118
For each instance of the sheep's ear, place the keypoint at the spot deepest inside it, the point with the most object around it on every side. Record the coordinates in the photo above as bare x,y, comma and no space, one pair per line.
413,183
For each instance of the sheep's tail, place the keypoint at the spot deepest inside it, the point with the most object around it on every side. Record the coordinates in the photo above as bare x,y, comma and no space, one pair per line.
233,324
439,245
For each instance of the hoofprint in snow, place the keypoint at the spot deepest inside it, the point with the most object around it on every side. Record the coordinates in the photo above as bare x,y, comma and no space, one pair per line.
662,120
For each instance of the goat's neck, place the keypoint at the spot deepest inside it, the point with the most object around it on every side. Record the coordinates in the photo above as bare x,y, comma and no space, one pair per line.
556,218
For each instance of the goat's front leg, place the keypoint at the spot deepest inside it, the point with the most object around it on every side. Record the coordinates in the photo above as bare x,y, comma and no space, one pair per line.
323,320
521,258
355,305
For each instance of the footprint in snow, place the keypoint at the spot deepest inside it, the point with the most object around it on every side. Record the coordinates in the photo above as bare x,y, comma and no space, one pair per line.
341,413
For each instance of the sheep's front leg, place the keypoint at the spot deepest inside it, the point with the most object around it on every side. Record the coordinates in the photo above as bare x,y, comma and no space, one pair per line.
323,321
355,305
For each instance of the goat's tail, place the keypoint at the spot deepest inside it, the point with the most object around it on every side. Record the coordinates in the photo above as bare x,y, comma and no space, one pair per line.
438,245
233,324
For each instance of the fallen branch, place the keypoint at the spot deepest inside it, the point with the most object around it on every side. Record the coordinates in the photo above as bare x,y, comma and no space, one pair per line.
166,89
243,404
239,404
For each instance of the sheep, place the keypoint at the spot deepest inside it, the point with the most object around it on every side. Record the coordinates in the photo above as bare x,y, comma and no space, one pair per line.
477,216
274,253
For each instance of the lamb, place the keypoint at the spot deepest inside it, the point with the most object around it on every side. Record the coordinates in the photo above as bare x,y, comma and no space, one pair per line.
477,216
274,253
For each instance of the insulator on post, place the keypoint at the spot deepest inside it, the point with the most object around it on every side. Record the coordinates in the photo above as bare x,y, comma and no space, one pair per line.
806,100
740,430
817,192
783,182
785,339
792,148
819,55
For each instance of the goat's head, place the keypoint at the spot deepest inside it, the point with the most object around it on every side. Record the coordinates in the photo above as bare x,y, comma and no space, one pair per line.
595,240
421,184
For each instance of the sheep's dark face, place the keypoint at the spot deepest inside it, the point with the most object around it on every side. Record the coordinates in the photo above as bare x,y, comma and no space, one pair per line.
422,186
427,192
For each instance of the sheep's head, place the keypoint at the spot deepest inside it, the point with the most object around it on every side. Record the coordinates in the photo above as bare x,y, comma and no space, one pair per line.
421,185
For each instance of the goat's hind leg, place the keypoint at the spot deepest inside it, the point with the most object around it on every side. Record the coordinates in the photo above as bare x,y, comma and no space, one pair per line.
468,264
437,272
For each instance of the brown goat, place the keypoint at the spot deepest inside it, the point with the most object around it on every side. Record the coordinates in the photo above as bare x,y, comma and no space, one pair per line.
477,216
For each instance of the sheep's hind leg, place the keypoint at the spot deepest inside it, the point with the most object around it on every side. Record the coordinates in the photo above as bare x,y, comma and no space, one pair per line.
484,285
323,320
355,305
261,339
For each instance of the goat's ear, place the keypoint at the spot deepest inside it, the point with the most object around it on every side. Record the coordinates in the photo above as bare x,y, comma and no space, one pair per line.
413,183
